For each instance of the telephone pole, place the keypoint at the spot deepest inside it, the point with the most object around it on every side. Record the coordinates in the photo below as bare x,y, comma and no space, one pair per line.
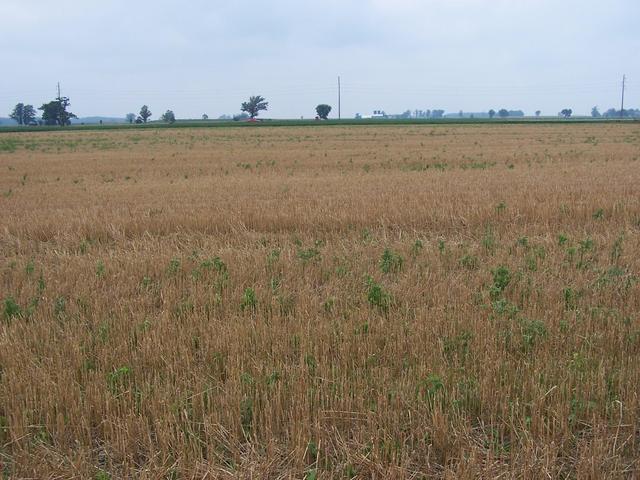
339,99
624,77
59,91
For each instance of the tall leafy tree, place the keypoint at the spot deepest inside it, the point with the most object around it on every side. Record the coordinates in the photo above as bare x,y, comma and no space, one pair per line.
145,113
56,113
23,114
28,114
17,113
323,110
168,117
254,106
492,113
130,117
503,113
566,112
49,113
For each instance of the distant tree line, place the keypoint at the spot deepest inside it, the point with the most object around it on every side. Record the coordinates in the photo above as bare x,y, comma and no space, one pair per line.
504,113
422,114
23,114
53,113
438,113
143,116
613,113
56,112
249,110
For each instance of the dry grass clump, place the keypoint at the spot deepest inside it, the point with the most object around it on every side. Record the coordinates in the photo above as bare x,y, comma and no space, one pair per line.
339,302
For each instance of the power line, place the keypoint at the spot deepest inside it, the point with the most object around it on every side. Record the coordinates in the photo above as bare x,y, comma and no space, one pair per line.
358,87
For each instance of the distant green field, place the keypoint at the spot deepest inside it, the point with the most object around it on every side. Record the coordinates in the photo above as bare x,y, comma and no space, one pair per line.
302,123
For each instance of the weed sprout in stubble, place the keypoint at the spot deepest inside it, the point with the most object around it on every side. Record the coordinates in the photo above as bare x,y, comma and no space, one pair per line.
249,301
174,266
469,262
417,247
11,309
501,279
118,380
100,269
377,296
391,261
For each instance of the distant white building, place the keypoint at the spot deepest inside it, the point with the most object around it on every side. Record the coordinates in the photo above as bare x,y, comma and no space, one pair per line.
376,114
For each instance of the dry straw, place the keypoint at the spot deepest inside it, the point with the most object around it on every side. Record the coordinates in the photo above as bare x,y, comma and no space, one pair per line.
370,302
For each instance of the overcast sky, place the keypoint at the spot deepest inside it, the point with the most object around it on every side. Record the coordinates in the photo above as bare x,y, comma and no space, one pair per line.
207,56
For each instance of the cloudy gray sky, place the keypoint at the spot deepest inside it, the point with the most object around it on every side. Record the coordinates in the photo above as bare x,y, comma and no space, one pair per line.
197,56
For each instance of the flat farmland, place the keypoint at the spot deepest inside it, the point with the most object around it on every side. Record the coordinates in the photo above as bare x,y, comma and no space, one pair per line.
321,302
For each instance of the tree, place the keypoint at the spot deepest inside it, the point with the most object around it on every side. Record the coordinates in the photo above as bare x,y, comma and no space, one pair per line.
503,113
538,112
130,117
254,106
492,113
49,113
55,112
566,112
323,110
145,113
627,112
23,114
28,114
437,113
205,116
168,117
17,113
595,113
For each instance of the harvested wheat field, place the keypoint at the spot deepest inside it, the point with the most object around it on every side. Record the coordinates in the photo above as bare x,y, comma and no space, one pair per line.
427,301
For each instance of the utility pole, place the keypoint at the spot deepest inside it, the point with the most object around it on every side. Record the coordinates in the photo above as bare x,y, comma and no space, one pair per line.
339,99
624,77
59,91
